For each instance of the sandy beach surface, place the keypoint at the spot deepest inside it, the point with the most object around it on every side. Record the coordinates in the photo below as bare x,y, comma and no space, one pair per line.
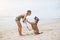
51,31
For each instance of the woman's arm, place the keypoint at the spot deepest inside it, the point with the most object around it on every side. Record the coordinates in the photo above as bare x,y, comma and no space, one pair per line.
24,19
28,21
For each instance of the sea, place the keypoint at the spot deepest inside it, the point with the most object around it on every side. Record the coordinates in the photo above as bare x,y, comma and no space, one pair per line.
8,22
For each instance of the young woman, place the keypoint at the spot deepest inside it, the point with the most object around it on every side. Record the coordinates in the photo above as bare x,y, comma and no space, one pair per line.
22,16
34,25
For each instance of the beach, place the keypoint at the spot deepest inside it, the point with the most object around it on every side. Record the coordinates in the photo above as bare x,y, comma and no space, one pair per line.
51,31
48,12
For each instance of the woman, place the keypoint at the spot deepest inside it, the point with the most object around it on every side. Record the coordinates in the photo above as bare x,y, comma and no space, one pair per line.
22,16
34,25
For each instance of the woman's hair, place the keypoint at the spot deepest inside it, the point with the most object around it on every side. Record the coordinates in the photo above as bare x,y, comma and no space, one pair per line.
29,11
36,18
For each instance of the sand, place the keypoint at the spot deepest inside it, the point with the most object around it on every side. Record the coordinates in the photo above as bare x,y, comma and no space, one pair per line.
51,31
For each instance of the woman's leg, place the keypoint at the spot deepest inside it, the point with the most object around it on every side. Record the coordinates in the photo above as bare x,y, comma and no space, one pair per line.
19,27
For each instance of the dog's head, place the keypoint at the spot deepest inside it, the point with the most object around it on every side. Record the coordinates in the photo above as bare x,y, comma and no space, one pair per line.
36,18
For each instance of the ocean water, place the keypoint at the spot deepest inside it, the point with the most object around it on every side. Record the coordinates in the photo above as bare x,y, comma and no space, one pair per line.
8,22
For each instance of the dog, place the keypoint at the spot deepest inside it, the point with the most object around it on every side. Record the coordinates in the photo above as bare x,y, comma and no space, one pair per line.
34,25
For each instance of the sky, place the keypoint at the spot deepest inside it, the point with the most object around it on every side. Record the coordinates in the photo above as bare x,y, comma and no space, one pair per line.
41,8
44,9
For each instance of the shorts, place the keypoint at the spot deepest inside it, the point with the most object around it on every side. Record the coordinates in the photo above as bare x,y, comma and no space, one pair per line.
17,19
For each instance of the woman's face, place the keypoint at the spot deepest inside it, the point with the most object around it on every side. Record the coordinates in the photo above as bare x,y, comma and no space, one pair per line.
29,14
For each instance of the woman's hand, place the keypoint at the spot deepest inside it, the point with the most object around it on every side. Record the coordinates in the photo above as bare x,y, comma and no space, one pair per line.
24,20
